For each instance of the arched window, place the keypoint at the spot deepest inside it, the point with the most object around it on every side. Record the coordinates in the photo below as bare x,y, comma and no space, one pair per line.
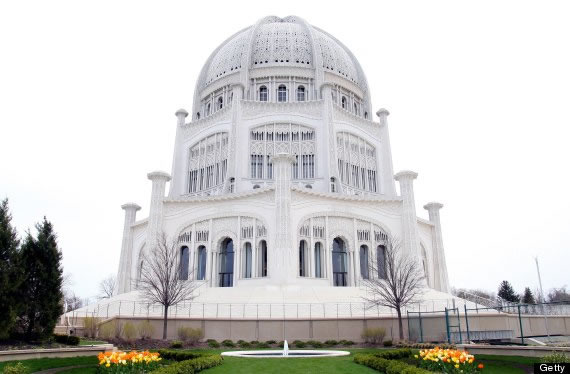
227,263
308,186
208,109
339,262
356,109
333,185
364,261
184,257
263,258
262,93
343,102
365,115
220,102
232,184
301,93
318,260
256,186
381,254
202,255
282,93
247,256
303,258
198,115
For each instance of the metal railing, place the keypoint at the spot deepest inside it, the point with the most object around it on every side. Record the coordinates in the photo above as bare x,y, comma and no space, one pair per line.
311,311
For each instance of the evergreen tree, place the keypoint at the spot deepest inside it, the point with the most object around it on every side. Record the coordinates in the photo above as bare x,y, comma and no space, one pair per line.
506,292
42,284
528,297
9,274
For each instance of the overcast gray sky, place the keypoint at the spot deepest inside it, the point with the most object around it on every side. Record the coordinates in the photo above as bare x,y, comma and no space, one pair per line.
478,92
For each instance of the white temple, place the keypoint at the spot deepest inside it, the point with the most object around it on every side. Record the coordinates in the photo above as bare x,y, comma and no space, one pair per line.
282,185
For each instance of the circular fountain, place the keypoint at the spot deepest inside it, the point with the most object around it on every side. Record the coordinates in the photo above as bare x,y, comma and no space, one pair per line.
285,353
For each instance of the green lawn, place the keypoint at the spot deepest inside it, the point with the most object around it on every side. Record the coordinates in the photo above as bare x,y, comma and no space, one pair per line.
49,363
91,342
506,364
327,365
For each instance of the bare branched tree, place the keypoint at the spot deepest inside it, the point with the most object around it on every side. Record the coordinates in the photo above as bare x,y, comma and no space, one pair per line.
395,283
160,277
107,287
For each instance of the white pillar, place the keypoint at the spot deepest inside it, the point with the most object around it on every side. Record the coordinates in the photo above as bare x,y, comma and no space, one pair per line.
410,237
385,185
126,261
282,265
159,179
441,281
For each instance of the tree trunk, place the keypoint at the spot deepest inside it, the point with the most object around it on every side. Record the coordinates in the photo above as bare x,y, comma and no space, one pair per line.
400,328
165,324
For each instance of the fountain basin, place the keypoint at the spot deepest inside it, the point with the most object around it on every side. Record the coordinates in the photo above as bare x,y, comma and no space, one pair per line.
291,354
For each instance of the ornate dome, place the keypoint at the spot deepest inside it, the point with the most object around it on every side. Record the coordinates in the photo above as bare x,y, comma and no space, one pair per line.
275,42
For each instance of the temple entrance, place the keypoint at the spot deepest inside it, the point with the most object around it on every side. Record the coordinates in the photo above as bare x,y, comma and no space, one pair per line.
226,273
339,262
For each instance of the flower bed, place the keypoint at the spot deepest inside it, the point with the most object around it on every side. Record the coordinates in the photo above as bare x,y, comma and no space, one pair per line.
128,362
448,361
427,361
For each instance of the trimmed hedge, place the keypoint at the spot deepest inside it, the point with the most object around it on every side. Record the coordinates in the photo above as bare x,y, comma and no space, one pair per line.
66,339
425,345
388,366
191,366
169,354
394,354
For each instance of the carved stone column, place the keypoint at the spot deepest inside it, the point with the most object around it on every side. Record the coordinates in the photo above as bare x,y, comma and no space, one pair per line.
282,261
441,281
125,264
159,179
410,236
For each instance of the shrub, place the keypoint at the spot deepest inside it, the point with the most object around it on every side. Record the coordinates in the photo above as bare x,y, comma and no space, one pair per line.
315,344
212,343
244,344
191,366
424,345
117,329
129,332
19,368
331,342
72,340
346,342
106,331
176,344
394,354
281,344
89,327
66,339
228,343
387,343
299,344
169,354
262,345
373,335
190,335
254,342
271,342
555,358
388,366
146,329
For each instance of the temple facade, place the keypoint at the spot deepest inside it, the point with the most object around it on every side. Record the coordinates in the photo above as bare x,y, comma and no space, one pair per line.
282,176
